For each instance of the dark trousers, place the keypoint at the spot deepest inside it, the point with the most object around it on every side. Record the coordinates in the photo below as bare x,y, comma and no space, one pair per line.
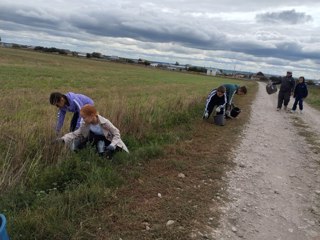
283,98
94,140
296,101
74,121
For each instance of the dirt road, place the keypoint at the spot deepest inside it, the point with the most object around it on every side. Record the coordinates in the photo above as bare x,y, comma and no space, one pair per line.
274,191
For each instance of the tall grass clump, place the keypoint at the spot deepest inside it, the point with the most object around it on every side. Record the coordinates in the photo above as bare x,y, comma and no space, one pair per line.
46,191
314,96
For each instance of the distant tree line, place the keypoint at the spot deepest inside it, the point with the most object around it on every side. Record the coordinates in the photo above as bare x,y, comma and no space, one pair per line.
51,50
197,69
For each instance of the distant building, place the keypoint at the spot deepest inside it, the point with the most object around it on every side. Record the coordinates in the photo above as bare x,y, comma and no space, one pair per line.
213,71
81,54
259,76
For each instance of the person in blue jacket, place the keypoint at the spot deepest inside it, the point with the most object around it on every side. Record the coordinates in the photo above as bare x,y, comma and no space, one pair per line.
300,93
231,90
69,102
216,99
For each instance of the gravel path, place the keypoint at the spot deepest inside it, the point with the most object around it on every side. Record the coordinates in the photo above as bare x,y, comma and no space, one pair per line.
274,190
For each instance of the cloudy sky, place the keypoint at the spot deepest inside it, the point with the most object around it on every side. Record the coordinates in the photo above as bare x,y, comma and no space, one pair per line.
249,35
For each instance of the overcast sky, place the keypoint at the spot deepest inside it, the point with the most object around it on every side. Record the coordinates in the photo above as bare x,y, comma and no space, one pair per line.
249,35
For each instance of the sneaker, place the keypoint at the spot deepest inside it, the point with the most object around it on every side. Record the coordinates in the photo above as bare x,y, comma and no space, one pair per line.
300,111
293,111
285,108
278,109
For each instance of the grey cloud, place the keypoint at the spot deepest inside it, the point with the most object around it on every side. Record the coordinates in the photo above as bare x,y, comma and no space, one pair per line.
150,26
284,17
162,29
28,17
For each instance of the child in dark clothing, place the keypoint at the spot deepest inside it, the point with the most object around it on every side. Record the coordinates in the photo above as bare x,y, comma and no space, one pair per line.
216,98
300,93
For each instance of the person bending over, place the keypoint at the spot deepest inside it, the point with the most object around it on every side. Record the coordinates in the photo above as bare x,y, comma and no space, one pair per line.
231,90
95,130
216,99
70,102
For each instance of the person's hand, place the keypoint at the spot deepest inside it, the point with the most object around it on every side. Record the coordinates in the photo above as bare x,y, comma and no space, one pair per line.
110,148
218,109
206,115
228,113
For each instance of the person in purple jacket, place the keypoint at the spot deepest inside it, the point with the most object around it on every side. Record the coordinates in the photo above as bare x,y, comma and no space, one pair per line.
69,102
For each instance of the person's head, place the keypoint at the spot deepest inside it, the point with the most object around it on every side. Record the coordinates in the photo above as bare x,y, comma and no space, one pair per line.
57,99
242,90
301,79
89,114
289,74
221,91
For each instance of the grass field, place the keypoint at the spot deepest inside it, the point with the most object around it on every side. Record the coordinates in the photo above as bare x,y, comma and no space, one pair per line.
314,97
48,192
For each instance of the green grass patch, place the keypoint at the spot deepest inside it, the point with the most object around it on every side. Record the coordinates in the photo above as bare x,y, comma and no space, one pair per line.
314,96
48,192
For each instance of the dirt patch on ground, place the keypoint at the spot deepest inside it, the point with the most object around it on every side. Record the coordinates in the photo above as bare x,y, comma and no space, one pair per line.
274,189
168,198
265,188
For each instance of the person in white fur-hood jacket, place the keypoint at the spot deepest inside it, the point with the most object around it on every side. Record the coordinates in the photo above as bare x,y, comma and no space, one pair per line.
95,130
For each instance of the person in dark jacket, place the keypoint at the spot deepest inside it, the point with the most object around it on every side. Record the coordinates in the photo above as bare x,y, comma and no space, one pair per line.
69,102
216,99
300,93
286,90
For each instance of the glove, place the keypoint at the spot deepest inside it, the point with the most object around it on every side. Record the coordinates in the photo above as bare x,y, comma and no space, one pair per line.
110,148
206,115
218,109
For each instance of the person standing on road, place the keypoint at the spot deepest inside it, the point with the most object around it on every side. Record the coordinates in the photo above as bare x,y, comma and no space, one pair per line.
231,90
216,98
300,93
286,90
70,102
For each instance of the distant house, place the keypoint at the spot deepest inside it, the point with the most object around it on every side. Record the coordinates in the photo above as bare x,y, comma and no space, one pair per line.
213,71
259,76
114,58
81,54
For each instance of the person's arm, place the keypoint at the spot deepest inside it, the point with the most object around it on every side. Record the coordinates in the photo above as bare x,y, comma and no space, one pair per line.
61,116
116,137
295,92
67,138
306,92
78,105
222,106
276,81
209,104
230,97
